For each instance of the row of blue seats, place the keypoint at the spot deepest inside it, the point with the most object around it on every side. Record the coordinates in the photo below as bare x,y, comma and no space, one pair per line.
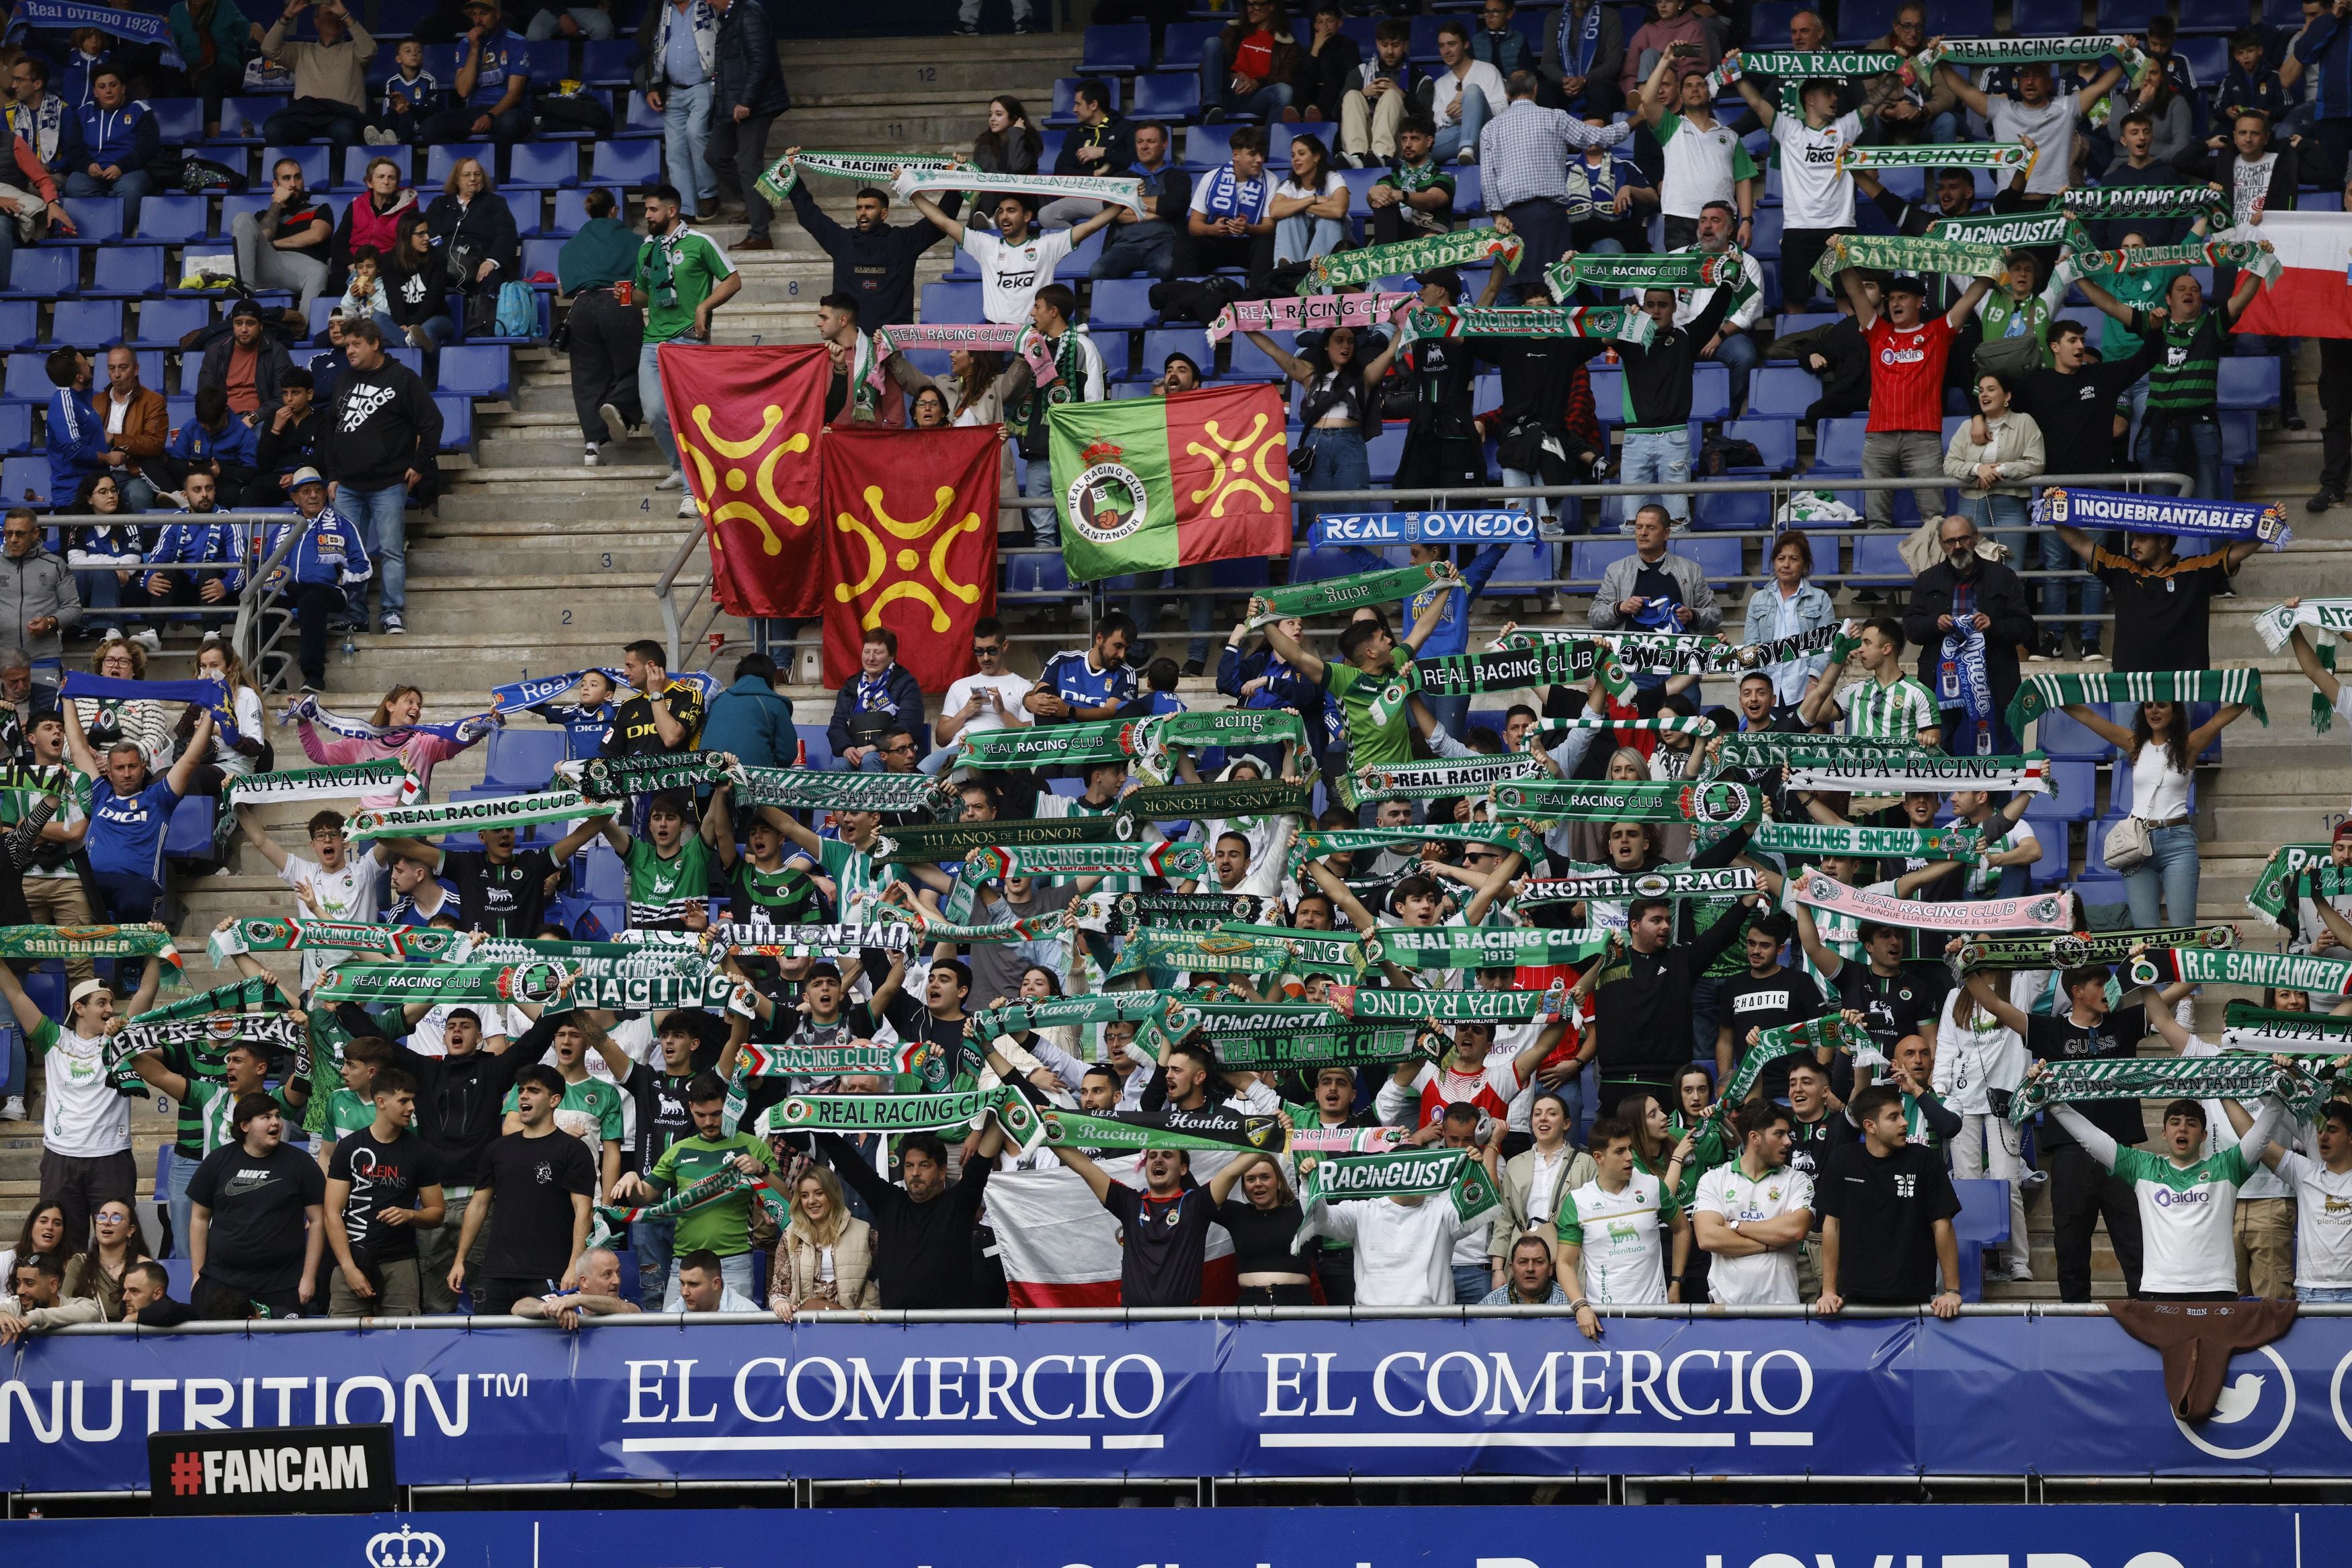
467,370
541,165
25,472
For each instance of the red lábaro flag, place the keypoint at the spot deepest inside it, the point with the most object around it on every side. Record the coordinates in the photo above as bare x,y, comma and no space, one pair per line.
910,543
2312,297
748,422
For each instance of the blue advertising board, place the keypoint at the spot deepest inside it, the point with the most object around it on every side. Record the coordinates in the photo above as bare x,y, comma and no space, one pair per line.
1800,1536
650,1400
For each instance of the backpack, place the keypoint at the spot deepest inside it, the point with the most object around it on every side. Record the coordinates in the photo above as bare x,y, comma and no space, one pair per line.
518,310
1721,454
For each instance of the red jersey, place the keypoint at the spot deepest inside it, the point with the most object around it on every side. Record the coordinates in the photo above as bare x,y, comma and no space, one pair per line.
1907,373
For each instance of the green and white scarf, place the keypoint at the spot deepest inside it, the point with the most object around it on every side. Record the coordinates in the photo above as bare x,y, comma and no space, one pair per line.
2011,51
1122,191
2256,258
1830,1032
615,778
1334,594
1233,728
1123,913
2016,231
1036,746
2293,872
1504,670
433,819
1777,749
1681,269
1615,323
2242,1078
2205,967
1052,1012
89,942
879,1113
54,780
300,934
2249,1027
1955,842
1516,1005
1033,928
1408,1172
1718,802
320,783
1242,800
1660,882
432,983
828,1060
2076,949
217,1033
1487,947
236,997
1794,67
1323,842
609,1224
1439,780
1905,252
1915,768
1664,724
818,789
1176,862
2046,912
798,941
2330,616
1196,1130
1425,252
1300,1046
1244,950
866,168
2104,201
2038,695
2006,157
930,843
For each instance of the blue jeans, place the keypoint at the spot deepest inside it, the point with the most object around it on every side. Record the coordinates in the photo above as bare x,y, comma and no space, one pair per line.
2057,556
2193,448
650,1240
650,398
1299,237
1340,463
1045,524
1739,355
735,1271
1569,513
2003,518
1656,456
1452,139
1471,1283
1200,608
131,185
381,519
2330,1293
1268,102
2171,869
1149,248
685,132
99,591
176,1200
592,23
14,1073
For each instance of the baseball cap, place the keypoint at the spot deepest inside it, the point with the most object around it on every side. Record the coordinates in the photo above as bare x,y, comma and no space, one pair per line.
244,308
87,988
305,476
1904,283
1445,277
2343,831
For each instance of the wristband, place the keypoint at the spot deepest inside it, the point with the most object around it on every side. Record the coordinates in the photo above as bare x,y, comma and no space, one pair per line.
1580,1305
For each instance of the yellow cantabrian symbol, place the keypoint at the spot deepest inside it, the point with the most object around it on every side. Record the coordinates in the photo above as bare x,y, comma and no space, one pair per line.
1232,464
880,557
709,481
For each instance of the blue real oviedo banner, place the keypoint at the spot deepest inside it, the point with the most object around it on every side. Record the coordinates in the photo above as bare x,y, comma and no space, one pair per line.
650,1400
1800,1536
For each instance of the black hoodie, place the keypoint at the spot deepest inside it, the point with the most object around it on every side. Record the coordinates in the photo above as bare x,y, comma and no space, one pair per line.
380,424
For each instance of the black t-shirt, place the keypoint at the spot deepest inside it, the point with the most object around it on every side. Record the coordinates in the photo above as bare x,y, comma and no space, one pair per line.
504,899
530,1222
1892,1006
2161,616
382,1175
1261,1237
662,1117
1810,1144
1162,1243
1744,1003
297,217
635,732
1886,1211
256,1236
2061,1039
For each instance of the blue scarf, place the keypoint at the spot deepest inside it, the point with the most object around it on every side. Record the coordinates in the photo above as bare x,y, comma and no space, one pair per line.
1961,679
874,692
536,690
2183,517
211,696
69,16
458,732
1577,47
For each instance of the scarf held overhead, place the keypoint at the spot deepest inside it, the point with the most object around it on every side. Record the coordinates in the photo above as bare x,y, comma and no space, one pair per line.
2205,967
2076,949
1369,264
1680,269
1716,802
868,168
1307,313
1119,191
330,783
1897,253
2178,515
2048,911
2243,1077
2295,871
435,819
211,696
1619,323
1337,593
2038,695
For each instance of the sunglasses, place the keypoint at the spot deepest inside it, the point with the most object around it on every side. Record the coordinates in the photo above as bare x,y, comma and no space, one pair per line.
987,650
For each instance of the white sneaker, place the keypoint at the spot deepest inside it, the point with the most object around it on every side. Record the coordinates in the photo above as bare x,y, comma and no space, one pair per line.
376,137
615,427
674,480
686,508
589,456
146,638
14,1110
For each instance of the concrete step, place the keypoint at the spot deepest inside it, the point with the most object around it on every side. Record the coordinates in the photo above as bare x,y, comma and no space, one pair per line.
616,604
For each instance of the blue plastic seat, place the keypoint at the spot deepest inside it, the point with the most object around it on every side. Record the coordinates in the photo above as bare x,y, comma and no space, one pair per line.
26,481
947,302
1122,47
521,759
1711,392
626,163
1170,97
2131,16
164,322
1072,268
571,214
243,117
130,272
2050,18
317,171
20,323
1383,452
1837,442
1859,21
544,165
1159,345
456,419
1728,509
97,220
47,272
87,323
605,62
189,834
1774,438
17,427
2062,735
1064,112
473,370
1122,303
2248,380
442,159
1877,559
2074,801
1786,391
174,217
1253,363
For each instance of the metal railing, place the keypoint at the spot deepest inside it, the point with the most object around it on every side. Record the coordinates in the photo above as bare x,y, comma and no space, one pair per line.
686,626
256,635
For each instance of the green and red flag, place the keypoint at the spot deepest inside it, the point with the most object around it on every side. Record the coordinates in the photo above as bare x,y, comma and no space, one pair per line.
1148,484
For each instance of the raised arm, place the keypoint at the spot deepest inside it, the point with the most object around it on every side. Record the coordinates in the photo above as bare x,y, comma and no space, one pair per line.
2096,1144
1295,654
248,820
951,227
1957,84
1296,369
1763,107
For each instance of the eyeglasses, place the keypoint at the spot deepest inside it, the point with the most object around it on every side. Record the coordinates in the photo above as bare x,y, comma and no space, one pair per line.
987,650
114,1220
1961,541
902,745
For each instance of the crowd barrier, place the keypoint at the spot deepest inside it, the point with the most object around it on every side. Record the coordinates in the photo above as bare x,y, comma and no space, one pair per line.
1044,1397
1802,1536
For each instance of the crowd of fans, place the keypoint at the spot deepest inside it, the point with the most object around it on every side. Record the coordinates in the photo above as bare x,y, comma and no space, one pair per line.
470,1148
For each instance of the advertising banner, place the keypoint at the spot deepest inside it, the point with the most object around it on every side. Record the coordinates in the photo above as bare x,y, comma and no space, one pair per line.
1796,1536
648,1399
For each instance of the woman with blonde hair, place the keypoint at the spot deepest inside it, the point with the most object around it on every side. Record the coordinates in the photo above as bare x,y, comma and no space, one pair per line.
142,721
825,1260
395,719
217,661
1263,1219
474,232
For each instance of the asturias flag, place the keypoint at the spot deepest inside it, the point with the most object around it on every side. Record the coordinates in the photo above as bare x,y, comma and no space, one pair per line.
1153,482
2313,295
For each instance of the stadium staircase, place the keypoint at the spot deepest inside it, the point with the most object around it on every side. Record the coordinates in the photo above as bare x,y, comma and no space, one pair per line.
535,564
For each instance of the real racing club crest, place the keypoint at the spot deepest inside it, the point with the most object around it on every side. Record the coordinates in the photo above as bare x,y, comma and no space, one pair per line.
1107,500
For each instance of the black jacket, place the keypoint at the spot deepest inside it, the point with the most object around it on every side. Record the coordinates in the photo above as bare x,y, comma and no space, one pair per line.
381,424
748,73
1999,593
486,224
268,370
922,1251
1324,78
873,267
458,1098
1114,136
296,446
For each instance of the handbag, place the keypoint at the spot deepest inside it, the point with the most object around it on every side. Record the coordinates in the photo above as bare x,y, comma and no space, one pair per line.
2128,844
